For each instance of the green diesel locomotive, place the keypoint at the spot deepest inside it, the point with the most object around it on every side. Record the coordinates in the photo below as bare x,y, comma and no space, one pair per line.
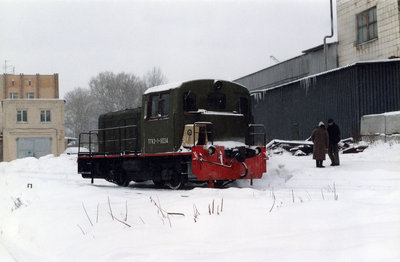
198,131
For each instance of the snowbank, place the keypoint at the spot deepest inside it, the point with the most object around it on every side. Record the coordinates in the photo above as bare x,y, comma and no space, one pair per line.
295,213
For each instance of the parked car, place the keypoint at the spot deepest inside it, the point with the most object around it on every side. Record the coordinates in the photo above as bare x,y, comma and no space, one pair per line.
74,150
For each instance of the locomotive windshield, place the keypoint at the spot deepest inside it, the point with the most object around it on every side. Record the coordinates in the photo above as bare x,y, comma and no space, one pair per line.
216,101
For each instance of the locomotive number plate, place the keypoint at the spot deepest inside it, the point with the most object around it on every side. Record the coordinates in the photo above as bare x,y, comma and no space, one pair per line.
154,141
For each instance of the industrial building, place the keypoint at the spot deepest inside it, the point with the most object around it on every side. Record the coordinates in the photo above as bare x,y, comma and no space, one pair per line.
344,80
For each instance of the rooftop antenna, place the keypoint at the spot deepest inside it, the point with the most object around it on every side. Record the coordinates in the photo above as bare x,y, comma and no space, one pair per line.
273,58
6,67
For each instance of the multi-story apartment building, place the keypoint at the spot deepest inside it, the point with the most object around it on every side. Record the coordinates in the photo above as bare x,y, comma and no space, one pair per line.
368,30
28,86
32,116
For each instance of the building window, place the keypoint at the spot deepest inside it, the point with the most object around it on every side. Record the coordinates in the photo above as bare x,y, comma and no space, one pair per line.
22,116
12,82
367,26
30,95
158,106
45,116
29,82
14,95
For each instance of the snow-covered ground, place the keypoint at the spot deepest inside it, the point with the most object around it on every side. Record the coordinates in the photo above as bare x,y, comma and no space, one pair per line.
295,213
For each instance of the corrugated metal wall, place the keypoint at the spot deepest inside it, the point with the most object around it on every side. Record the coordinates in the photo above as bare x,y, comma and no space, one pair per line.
292,110
309,63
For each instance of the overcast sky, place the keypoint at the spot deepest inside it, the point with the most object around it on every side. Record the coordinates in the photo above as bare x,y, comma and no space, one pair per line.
185,39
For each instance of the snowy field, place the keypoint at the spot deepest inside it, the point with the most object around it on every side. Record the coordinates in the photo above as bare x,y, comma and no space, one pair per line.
295,213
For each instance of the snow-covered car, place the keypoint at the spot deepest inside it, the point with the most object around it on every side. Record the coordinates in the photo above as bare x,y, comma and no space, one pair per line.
75,150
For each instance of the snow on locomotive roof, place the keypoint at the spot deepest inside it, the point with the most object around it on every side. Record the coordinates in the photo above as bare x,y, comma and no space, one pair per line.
161,88
166,87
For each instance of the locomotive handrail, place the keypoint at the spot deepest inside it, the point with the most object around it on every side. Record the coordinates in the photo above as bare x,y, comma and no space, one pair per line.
119,128
110,128
104,141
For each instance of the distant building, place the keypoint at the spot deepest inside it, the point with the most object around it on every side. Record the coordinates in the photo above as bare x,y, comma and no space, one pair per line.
368,30
28,86
32,128
311,62
32,116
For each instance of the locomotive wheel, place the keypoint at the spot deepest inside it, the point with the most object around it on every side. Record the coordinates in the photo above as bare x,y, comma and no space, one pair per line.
121,179
176,182
159,183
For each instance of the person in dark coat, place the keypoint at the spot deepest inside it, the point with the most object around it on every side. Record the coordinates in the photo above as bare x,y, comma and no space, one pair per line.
334,139
320,139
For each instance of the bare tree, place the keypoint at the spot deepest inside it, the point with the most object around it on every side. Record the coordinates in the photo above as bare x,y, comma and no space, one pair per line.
79,112
114,92
108,92
154,77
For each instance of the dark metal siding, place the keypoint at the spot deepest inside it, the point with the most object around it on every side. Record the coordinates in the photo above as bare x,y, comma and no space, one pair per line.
291,111
379,87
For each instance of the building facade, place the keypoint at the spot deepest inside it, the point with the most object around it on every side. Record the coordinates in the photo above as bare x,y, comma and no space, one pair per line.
367,30
32,116
32,128
28,86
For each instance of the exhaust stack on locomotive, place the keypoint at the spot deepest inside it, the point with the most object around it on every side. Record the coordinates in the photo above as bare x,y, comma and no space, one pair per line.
197,131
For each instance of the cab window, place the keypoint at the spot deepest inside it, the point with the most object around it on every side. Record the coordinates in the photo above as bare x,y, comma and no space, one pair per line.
158,106
164,105
154,106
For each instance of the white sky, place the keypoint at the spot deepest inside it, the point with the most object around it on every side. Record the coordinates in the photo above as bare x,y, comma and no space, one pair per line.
186,39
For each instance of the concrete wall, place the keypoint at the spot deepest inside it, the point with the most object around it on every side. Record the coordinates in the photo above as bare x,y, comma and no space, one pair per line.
380,126
388,21
33,127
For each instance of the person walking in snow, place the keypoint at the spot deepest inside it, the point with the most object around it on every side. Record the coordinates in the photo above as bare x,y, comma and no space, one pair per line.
334,139
320,139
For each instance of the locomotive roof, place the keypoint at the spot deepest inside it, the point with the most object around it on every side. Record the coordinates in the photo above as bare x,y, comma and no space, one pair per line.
161,88
166,87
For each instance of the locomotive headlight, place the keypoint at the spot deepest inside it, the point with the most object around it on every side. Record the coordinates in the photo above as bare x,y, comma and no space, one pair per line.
211,150
217,84
258,151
